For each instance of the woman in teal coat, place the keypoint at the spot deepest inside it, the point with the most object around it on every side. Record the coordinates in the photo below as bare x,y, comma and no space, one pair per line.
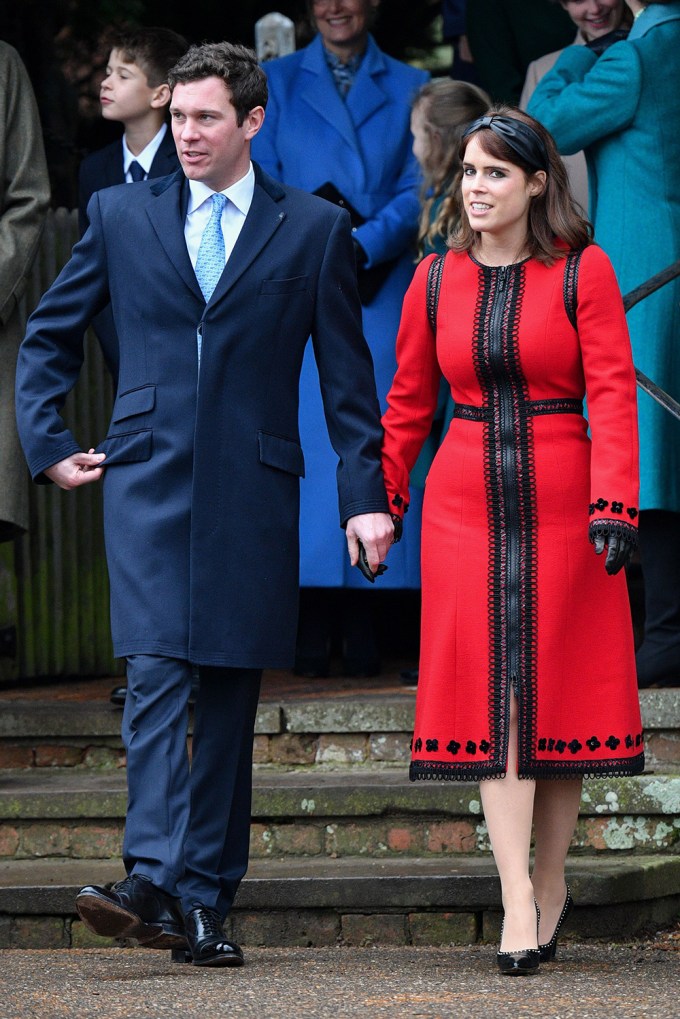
621,103
338,114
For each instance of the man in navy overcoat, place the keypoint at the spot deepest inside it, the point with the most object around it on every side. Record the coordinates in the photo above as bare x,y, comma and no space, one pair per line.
201,468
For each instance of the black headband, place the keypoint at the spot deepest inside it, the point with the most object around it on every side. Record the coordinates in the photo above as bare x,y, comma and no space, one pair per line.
521,138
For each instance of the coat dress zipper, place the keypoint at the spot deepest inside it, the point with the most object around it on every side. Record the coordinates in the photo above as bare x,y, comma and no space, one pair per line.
509,489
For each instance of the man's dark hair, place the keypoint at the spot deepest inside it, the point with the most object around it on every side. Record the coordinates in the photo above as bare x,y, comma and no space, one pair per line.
236,65
155,50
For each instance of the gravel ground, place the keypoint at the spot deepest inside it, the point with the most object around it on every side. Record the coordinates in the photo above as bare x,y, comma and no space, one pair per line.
588,982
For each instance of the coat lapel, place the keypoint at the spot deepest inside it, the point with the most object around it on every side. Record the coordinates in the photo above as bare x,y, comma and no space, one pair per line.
264,218
167,212
320,93
113,167
366,96
166,159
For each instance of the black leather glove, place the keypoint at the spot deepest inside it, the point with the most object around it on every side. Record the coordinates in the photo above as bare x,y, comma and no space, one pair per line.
598,46
620,548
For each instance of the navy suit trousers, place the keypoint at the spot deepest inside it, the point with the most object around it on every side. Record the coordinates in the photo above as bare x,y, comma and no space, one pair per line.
188,827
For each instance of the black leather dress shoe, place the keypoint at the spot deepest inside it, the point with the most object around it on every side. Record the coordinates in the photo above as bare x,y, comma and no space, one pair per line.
133,908
207,941
118,694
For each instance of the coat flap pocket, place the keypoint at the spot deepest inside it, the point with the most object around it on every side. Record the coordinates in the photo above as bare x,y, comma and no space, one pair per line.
137,401
286,454
129,447
289,286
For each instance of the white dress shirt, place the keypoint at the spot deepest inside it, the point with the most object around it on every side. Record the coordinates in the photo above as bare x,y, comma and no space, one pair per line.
145,157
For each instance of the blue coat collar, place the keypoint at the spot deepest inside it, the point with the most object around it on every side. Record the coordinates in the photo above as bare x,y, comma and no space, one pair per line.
655,14
365,97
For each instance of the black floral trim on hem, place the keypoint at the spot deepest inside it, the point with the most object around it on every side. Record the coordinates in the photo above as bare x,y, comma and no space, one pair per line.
605,528
442,771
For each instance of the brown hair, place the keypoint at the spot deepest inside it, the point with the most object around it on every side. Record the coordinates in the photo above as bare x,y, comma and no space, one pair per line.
553,214
236,65
447,107
154,50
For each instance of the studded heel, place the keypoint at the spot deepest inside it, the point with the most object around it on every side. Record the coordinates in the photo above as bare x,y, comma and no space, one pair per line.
549,949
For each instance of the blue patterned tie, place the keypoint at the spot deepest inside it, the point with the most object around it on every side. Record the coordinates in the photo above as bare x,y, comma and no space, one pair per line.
136,171
211,254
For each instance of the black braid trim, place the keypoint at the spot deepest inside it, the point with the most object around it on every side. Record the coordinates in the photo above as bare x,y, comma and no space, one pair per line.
570,285
605,528
476,771
434,282
442,771
620,767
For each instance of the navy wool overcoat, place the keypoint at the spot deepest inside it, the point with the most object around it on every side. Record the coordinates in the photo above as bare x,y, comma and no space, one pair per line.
201,487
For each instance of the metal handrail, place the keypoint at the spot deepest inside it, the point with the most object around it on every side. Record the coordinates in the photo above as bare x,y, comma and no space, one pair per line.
632,298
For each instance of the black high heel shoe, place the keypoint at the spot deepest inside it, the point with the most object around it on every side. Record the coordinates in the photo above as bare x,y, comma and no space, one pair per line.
522,963
549,949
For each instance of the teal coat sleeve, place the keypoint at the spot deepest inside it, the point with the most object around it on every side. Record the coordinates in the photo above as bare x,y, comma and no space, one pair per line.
583,98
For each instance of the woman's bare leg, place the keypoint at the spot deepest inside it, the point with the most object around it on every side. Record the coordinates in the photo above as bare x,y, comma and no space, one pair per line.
508,808
556,806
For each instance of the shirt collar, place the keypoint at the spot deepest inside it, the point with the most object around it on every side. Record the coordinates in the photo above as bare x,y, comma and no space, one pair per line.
148,153
350,66
239,194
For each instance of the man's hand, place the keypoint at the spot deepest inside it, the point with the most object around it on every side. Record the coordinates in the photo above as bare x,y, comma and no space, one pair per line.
77,469
375,531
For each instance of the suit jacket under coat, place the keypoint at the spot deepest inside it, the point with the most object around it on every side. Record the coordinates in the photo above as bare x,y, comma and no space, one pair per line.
623,109
201,490
104,169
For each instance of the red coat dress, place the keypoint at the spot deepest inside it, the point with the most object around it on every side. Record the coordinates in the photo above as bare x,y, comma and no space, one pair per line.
513,593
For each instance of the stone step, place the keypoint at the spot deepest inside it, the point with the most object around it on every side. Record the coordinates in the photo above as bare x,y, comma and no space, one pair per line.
338,731
354,901
79,813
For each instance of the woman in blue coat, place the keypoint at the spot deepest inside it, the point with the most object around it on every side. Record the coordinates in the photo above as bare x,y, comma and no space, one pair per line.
338,114
622,105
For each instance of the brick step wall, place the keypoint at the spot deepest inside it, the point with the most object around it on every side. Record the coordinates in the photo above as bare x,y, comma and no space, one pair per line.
366,731
79,814
355,901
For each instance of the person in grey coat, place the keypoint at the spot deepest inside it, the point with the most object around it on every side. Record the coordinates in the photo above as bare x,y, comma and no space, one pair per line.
24,199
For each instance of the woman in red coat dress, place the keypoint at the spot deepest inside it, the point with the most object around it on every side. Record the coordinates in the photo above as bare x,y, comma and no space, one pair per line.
527,669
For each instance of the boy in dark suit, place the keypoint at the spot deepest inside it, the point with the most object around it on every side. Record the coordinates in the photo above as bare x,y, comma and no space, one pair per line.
135,93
